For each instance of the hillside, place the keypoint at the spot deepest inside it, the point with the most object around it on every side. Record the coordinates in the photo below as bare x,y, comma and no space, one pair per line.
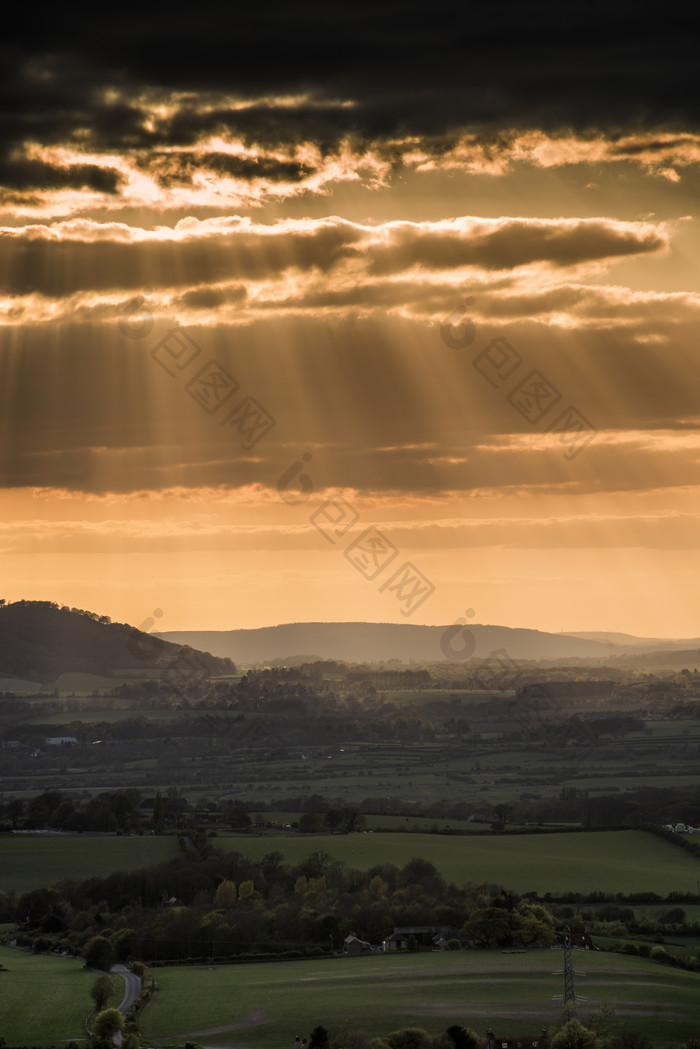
631,642
40,641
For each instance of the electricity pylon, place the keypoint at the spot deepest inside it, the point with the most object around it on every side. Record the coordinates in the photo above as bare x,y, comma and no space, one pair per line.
568,972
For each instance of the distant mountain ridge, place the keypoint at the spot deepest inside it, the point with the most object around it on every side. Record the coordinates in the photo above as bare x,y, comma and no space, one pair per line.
41,641
629,641
377,642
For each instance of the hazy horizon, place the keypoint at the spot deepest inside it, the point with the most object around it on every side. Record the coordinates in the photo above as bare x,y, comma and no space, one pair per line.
389,319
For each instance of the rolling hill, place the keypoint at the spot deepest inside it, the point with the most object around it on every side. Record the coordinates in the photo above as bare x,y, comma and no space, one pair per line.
39,641
374,642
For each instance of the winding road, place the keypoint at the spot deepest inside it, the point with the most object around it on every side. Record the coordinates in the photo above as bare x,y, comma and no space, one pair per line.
132,989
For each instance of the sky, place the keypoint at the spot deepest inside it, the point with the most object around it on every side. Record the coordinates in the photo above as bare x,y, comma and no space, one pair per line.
365,312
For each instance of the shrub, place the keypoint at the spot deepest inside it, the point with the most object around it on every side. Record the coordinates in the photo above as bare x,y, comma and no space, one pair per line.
101,991
107,1023
318,1038
573,1035
99,953
462,1038
409,1038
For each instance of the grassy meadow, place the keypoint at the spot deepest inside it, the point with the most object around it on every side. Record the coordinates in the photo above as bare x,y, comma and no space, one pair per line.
611,861
35,861
256,1006
43,999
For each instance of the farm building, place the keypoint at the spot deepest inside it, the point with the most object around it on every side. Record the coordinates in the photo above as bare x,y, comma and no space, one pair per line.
435,936
352,944
396,942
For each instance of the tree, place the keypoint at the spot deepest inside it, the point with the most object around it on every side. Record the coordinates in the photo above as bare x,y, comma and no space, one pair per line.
125,943
488,926
246,890
573,1035
462,1037
99,953
158,813
226,894
101,991
333,818
316,864
408,1038
309,822
123,808
237,817
676,916
319,1038
107,1023
271,863
378,887
351,819
15,810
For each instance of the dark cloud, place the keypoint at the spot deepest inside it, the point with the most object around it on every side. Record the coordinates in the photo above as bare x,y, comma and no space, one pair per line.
175,168
33,174
61,267
416,69
650,145
510,244
212,298
256,167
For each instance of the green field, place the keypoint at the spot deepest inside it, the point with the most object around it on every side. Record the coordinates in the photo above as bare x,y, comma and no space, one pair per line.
35,861
613,861
479,768
43,999
256,1006
46,1000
